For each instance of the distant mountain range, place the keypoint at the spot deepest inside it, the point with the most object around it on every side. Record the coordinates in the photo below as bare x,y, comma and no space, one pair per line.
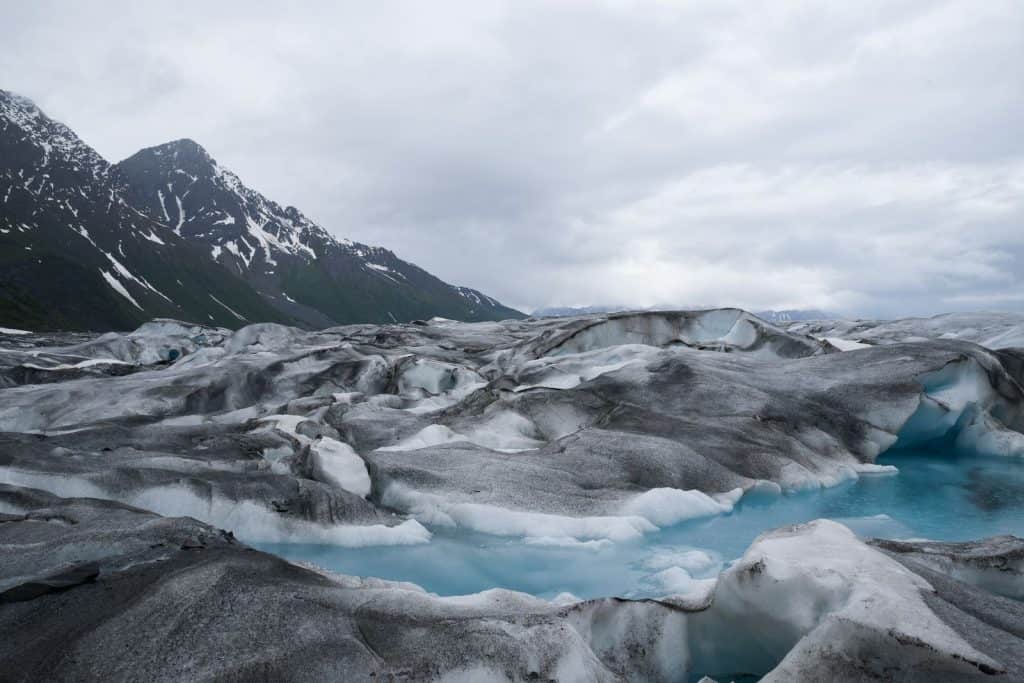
784,316
169,232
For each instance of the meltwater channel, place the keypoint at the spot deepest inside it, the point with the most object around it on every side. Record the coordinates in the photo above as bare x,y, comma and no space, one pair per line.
936,495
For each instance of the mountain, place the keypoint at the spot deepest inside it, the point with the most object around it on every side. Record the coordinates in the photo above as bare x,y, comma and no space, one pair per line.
75,255
169,233
301,269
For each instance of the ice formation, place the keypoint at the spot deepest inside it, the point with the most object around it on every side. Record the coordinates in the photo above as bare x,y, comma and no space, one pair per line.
570,433
168,597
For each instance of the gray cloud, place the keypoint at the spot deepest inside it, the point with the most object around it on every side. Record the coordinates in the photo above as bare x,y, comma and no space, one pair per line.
865,158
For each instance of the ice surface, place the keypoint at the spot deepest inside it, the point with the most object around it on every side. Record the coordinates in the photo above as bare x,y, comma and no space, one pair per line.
992,330
248,520
797,592
995,564
628,455
845,344
666,506
432,435
87,363
719,329
490,519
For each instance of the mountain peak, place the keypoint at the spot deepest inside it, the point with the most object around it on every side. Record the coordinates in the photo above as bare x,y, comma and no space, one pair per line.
20,110
42,140
183,145
184,154
19,100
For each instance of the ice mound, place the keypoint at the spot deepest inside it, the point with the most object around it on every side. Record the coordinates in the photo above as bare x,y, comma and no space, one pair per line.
432,435
802,594
434,377
639,515
717,329
993,564
991,330
247,519
504,431
490,519
666,506
335,462
960,402
265,337
566,371
158,341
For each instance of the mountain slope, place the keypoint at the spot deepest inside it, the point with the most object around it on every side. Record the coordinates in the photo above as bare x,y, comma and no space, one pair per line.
75,255
169,233
301,269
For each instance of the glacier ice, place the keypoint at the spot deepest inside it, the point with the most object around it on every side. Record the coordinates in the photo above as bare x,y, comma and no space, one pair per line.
991,330
809,602
682,408
335,462
584,435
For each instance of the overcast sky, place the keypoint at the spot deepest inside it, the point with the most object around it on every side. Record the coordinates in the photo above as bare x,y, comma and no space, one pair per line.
862,157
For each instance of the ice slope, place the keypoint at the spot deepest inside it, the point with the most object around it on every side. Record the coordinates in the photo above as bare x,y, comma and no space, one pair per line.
995,566
991,330
724,329
813,603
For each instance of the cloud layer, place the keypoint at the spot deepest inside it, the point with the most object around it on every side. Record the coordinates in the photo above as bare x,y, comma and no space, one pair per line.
864,158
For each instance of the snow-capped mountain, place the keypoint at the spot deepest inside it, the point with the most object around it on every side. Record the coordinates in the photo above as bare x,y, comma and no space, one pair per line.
300,268
75,255
169,232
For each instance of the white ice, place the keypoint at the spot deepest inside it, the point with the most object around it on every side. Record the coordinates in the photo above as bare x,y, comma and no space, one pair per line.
337,464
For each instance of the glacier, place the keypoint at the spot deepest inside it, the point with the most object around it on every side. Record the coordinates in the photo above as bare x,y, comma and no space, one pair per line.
145,475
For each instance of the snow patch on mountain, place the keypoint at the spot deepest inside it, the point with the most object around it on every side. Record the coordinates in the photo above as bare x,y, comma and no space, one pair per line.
229,309
119,288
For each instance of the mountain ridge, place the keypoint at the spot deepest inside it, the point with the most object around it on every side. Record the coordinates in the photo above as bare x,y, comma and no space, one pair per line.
281,252
93,245
75,255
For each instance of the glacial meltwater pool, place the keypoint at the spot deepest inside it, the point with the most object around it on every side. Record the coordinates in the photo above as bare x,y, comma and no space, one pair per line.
937,495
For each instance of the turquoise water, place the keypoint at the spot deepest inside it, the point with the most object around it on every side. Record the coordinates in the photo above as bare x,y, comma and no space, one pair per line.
936,495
